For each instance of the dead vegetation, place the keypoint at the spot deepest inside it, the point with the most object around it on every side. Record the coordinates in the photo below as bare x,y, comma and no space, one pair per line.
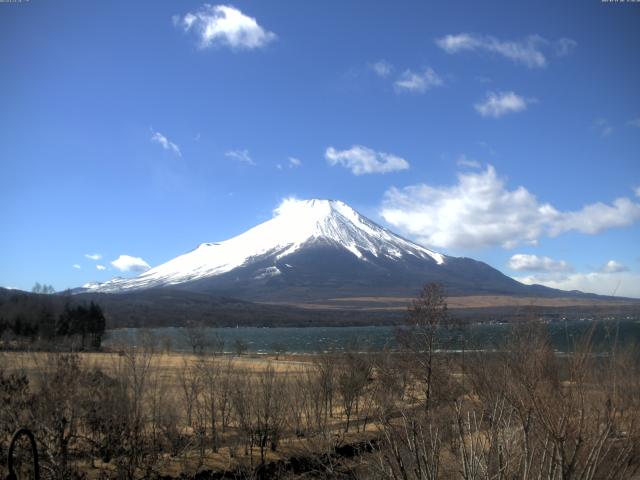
523,412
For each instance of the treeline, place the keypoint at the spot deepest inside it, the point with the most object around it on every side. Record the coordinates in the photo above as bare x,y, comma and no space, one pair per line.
51,320
43,288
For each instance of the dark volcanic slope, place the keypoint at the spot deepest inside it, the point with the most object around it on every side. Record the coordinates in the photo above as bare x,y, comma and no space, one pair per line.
324,270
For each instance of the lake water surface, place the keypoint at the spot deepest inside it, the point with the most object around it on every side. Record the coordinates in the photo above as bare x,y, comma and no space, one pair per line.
321,339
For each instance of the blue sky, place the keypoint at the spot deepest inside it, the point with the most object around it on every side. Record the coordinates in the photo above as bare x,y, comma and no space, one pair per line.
508,131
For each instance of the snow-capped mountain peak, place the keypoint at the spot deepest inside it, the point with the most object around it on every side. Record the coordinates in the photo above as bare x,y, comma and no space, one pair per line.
295,225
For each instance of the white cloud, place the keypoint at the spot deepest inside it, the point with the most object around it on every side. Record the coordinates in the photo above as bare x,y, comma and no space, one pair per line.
529,51
498,104
165,143
224,25
241,156
362,160
76,266
564,46
636,190
127,263
93,256
596,217
613,267
534,263
418,82
622,284
457,43
464,161
603,127
382,68
634,122
101,267
294,162
480,211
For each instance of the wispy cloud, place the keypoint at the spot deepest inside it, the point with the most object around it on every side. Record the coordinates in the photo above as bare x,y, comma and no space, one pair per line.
127,263
418,82
534,263
101,267
497,104
464,161
480,211
241,156
564,46
165,143
224,25
382,68
634,122
528,51
602,126
363,160
294,162
76,266
93,256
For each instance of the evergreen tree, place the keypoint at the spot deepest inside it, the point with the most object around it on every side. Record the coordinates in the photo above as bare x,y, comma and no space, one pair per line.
63,324
97,325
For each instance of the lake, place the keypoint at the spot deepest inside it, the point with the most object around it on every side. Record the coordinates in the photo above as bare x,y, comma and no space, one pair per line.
322,339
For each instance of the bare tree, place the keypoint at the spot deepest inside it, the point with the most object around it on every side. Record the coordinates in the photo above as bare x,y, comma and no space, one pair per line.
426,315
326,369
409,450
269,410
209,372
279,349
57,410
353,376
190,382
240,347
195,335
135,372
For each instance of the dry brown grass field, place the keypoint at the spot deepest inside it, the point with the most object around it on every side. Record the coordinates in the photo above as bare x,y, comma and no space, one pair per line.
522,411
384,303
170,378
167,364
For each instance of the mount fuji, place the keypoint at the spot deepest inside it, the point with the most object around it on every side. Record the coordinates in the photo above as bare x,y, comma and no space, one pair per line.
317,250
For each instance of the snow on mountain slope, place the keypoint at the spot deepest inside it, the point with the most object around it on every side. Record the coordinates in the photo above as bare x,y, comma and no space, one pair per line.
296,224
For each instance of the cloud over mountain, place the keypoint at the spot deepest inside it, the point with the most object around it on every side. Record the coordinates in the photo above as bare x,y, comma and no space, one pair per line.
534,263
626,284
481,211
614,267
127,263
